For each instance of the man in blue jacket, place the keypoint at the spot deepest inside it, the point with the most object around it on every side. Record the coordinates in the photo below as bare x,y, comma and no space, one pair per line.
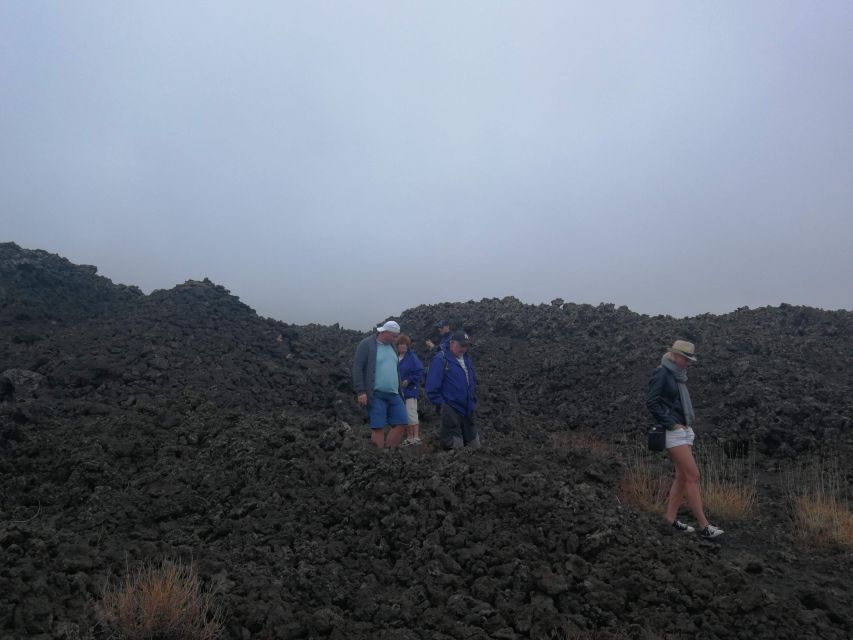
450,385
443,328
376,381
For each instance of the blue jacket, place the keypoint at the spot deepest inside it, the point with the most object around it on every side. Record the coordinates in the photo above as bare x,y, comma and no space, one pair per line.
411,369
442,341
446,383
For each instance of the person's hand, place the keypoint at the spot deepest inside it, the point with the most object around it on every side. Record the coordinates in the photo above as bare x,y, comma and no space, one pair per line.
680,426
430,344
405,383
362,399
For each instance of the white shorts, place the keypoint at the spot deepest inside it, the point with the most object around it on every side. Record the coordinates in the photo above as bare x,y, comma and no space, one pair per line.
678,437
412,410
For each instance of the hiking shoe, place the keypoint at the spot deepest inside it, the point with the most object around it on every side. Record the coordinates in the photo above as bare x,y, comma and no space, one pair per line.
417,440
406,443
678,525
711,532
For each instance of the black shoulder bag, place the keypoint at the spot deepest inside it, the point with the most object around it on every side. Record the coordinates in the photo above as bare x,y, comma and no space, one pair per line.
657,438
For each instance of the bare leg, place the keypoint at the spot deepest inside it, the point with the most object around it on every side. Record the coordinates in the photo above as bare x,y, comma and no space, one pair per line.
410,432
416,431
686,467
676,495
395,435
377,437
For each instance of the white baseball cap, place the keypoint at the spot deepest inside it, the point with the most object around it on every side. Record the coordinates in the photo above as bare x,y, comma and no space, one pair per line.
391,326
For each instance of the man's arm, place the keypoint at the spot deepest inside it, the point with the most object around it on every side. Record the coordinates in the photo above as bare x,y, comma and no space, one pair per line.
435,378
473,381
358,368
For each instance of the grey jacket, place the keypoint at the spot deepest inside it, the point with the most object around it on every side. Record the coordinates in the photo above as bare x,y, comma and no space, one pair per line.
364,368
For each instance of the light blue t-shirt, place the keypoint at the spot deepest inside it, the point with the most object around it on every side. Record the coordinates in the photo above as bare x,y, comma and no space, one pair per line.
386,369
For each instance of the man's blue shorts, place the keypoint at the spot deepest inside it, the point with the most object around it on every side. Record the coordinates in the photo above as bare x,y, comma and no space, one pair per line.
387,408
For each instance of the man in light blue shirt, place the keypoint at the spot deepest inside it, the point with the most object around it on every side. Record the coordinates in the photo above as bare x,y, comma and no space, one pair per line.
376,380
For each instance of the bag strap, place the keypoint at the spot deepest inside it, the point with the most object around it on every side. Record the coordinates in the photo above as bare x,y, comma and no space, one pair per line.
446,363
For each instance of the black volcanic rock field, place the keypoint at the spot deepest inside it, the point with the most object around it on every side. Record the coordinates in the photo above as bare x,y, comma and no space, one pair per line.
181,425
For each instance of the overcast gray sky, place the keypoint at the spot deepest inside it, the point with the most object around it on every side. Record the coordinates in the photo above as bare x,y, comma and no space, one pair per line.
343,161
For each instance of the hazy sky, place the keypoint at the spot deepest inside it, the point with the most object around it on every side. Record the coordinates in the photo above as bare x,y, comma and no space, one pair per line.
343,161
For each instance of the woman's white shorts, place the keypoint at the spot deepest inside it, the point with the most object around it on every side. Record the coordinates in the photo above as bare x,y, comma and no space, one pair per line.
678,437
412,410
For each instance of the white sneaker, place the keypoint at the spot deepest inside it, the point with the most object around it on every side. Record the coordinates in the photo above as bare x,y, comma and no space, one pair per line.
678,525
711,532
416,440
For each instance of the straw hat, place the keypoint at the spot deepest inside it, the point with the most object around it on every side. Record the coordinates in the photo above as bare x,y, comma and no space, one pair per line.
684,348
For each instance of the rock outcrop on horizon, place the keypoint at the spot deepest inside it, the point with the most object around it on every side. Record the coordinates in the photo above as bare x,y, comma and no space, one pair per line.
181,424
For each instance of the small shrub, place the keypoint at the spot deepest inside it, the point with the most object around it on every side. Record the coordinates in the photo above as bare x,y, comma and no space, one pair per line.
727,484
820,509
161,602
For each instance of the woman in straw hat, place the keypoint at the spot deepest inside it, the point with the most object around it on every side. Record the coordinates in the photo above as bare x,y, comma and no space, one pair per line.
668,400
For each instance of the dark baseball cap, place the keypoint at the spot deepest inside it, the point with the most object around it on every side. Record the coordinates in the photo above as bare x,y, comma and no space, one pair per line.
461,337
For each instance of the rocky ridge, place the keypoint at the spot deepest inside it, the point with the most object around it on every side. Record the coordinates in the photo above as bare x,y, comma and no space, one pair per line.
181,424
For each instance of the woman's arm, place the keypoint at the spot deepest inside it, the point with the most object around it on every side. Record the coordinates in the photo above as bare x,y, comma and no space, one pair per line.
654,399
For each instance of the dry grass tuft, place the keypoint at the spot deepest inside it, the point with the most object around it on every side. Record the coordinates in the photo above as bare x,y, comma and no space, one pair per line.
565,633
823,521
582,441
727,484
161,602
821,512
646,481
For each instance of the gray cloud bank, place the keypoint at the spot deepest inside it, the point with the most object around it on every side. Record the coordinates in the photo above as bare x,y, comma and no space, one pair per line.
340,162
